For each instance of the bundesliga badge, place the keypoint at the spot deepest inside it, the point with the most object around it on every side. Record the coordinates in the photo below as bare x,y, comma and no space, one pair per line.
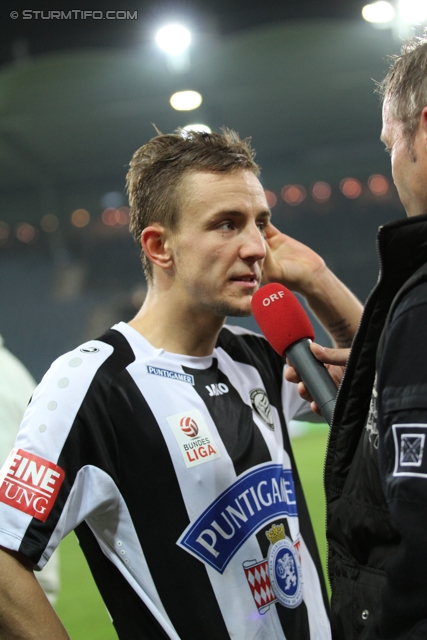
278,578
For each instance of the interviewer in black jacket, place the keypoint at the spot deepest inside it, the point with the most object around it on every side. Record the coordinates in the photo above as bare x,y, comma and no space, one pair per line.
376,465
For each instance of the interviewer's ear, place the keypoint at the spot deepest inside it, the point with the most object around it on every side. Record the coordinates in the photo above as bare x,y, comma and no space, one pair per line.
156,246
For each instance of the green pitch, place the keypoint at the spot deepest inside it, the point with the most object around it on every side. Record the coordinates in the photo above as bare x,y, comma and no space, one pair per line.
79,604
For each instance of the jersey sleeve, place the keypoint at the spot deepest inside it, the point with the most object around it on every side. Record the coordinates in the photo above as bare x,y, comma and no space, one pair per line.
402,430
65,431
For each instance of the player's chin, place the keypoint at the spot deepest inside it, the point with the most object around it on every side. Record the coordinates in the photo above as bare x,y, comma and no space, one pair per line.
242,309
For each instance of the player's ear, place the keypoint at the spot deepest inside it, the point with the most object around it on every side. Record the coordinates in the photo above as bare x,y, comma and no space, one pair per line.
423,123
156,246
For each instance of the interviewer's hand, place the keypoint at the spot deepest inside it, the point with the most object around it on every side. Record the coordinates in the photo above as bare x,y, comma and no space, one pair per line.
335,361
290,262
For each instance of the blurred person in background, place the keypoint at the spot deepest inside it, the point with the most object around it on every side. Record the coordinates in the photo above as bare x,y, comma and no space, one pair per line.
16,388
376,464
164,443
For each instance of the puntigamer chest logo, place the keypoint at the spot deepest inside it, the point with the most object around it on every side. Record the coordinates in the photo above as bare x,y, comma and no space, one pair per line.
30,483
194,439
256,498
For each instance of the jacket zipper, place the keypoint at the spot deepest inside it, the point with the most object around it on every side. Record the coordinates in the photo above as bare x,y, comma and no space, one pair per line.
380,275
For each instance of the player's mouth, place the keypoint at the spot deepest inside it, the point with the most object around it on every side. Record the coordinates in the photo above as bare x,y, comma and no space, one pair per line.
246,280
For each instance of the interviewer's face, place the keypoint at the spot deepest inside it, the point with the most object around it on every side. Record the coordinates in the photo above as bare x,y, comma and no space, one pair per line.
408,161
219,246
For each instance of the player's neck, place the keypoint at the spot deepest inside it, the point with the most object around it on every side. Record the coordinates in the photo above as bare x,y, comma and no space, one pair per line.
175,327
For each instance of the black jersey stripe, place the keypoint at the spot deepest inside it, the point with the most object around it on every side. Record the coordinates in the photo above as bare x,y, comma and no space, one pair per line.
131,617
247,348
232,417
149,471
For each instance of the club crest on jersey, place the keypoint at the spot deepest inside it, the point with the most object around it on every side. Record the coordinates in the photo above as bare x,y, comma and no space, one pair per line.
193,437
409,443
261,406
30,483
278,578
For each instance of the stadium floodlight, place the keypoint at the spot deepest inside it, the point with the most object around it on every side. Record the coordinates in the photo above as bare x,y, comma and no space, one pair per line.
378,12
413,11
186,100
200,128
173,39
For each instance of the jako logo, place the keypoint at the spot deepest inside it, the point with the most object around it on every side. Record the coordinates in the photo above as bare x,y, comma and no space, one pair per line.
272,298
30,483
217,389
189,427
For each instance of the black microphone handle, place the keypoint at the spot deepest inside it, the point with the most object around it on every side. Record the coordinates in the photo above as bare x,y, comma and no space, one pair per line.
314,375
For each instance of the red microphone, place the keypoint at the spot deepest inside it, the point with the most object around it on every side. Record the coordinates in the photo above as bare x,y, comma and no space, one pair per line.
285,324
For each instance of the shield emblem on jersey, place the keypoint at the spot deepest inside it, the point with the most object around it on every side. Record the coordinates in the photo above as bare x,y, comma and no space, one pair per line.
261,406
279,577
285,573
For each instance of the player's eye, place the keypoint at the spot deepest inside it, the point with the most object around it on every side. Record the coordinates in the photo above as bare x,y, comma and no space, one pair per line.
226,226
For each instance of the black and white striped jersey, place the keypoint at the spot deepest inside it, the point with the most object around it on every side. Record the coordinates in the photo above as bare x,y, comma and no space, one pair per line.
177,474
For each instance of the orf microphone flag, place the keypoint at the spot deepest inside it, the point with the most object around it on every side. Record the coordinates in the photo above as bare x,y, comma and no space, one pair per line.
288,329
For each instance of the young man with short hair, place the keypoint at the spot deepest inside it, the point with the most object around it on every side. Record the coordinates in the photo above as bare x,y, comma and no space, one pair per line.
165,441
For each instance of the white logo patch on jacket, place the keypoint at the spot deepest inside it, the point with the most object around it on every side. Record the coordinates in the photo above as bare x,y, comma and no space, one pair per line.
409,441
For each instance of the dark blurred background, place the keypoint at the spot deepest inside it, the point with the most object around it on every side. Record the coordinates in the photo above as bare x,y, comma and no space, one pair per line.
78,95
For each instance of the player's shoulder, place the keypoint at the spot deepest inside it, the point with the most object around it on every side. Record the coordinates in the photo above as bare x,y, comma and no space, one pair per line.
232,331
88,358
238,340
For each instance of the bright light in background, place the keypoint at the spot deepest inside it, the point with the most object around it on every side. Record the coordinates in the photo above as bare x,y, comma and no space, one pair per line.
351,188
413,10
116,217
378,184
200,128
173,39
186,100
293,194
270,197
321,191
378,12
80,218
113,199
26,233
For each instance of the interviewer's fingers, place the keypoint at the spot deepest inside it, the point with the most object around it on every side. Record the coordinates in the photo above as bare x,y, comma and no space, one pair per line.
329,355
315,408
302,391
290,373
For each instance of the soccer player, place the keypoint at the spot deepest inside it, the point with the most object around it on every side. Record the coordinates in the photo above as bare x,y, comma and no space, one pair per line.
164,442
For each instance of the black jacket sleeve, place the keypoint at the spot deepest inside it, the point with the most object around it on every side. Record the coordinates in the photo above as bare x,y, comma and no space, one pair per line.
402,428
